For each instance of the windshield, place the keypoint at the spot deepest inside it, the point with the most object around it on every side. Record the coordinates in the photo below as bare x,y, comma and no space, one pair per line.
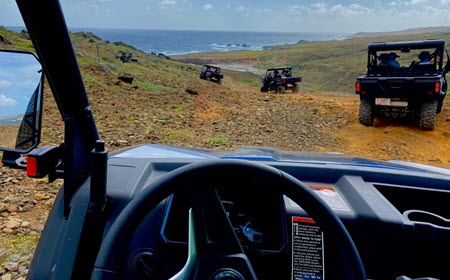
143,65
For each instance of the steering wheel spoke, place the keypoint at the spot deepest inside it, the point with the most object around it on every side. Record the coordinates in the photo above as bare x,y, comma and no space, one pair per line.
214,249
209,227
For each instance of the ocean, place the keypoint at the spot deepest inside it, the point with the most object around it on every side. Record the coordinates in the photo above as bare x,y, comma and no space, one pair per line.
172,42
10,121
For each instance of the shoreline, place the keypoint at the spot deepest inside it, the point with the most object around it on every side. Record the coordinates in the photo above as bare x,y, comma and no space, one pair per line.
182,42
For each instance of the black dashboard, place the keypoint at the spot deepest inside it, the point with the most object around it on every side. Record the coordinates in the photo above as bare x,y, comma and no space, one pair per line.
397,222
397,218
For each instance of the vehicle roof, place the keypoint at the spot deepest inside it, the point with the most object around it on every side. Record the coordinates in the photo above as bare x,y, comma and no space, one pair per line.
410,44
279,68
207,65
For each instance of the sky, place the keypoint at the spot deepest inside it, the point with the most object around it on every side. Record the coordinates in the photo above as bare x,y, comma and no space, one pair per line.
19,78
339,16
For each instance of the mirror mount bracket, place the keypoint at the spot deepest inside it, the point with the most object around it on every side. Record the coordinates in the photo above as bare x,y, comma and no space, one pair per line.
14,160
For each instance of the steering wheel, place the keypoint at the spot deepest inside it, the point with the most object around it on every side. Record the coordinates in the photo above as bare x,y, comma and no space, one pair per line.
214,251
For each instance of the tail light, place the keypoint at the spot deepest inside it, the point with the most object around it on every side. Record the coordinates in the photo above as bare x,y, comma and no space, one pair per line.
284,81
437,89
31,167
301,79
358,87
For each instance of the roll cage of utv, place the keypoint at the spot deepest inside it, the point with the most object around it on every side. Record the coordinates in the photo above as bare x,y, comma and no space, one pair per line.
404,78
280,79
211,73
435,59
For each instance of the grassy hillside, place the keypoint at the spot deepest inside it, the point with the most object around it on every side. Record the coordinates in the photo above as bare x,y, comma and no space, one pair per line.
325,65
411,31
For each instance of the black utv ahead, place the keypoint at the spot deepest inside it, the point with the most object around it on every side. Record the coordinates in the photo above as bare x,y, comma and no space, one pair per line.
404,78
125,56
211,73
279,80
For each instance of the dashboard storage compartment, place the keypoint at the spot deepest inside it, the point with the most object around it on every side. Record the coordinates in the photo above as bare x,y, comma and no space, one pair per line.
421,199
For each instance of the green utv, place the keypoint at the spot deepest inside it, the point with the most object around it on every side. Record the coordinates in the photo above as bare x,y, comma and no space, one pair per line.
404,78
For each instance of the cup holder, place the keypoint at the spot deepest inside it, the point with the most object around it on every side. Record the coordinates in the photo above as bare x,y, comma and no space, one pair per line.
426,217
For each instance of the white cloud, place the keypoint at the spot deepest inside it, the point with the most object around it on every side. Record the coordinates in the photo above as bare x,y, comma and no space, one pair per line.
5,84
412,2
168,2
7,102
241,8
393,15
207,7
418,1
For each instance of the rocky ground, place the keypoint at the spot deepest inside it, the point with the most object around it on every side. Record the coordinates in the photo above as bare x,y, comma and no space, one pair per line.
168,104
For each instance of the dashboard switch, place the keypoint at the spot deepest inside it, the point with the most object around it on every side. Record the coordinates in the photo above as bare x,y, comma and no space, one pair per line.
144,265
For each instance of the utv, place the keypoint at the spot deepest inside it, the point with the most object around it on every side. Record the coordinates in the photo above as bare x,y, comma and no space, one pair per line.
280,79
161,212
404,78
211,73
125,56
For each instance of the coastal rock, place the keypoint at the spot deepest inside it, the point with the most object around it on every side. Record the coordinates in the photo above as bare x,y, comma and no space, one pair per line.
25,34
36,226
40,196
11,266
13,208
127,78
120,43
25,224
13,223
9,230
25,258
192,91
14,258
4,39
104,68
3,207
163,56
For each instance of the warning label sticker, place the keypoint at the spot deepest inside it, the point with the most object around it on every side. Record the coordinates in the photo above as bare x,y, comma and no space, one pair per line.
307,250
330,196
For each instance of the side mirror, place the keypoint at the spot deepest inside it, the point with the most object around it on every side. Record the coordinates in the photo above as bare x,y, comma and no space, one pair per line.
21,97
